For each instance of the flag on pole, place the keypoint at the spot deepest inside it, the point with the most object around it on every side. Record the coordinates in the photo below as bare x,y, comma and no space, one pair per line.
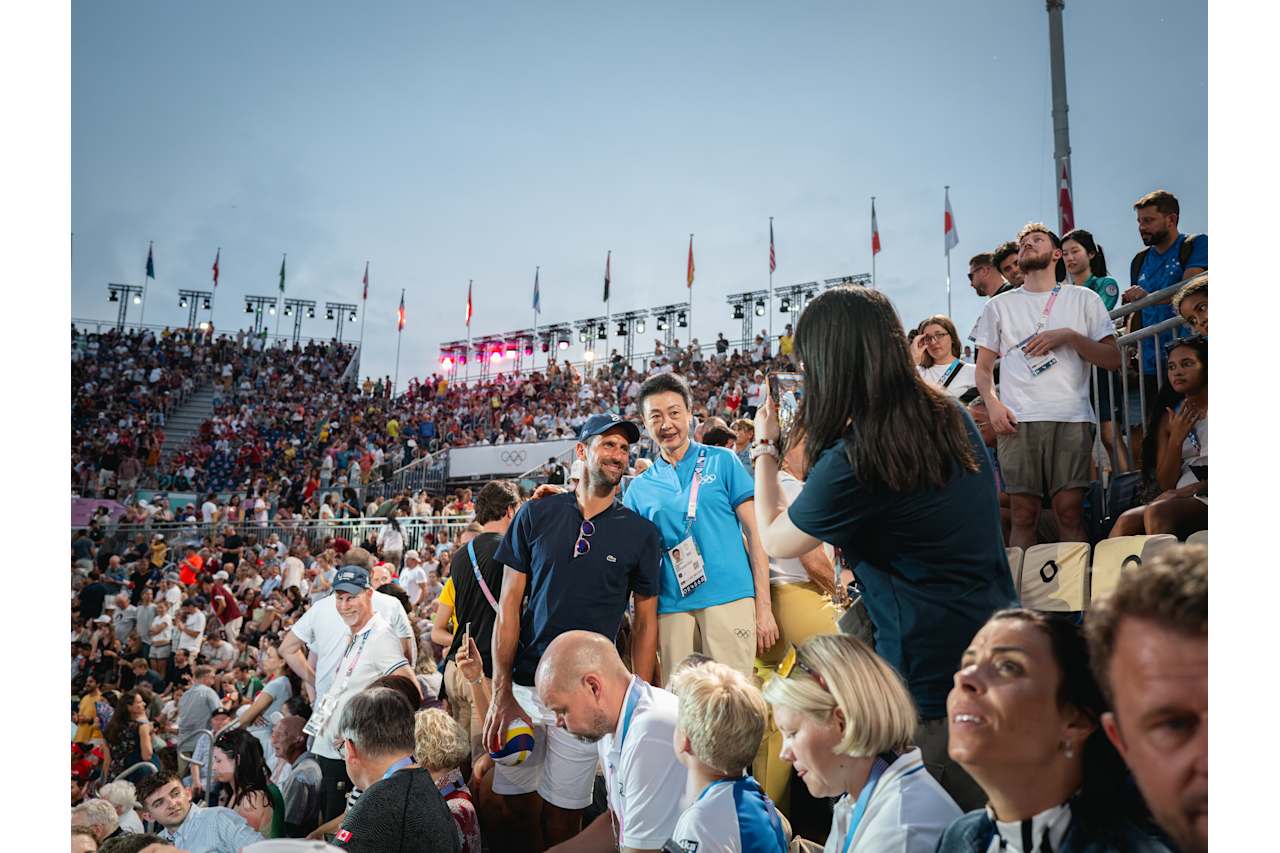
282,260
875,230
773,258
365,298
1066,211
400,314
537,292
607,259
950,237
468,305
216,258
691,267
151,263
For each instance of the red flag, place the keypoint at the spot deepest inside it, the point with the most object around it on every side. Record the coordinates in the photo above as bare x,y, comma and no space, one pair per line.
468,305
690,284
1066,211
366,282
950,237
400,314
215,266
773,258
875,230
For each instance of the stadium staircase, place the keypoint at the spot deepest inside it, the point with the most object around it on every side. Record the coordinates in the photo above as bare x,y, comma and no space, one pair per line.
185,421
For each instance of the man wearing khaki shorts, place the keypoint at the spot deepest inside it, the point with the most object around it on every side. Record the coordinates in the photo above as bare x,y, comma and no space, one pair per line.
1046,336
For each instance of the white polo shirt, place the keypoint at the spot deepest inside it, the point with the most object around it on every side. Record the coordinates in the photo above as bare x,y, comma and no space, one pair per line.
372,653
645,782
906,810
324,632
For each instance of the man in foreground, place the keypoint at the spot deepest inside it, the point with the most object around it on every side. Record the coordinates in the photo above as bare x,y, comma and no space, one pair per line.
1149,648
193,828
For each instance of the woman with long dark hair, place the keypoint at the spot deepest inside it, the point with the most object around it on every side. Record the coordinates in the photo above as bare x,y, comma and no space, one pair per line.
1025,722
1175,451
897,477
241,769
128,735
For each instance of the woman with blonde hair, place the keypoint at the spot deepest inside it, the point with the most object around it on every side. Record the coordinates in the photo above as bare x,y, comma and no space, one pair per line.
442,746
847,724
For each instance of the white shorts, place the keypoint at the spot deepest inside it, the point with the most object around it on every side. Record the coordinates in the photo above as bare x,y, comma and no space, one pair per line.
561,768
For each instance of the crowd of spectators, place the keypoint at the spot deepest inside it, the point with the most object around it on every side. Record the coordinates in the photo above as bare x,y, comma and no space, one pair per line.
727,631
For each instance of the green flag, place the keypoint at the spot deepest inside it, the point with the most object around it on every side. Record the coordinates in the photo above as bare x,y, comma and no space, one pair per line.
282,260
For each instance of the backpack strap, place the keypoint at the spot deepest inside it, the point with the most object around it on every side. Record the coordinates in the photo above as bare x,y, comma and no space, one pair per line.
1135,266
1184,252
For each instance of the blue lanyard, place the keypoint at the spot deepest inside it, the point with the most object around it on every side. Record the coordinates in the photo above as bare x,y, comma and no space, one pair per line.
860,807
399,765
452,787
951,371
633,698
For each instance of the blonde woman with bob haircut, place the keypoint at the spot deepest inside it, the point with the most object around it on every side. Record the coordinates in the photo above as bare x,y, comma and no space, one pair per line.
721,720
847,724
442,746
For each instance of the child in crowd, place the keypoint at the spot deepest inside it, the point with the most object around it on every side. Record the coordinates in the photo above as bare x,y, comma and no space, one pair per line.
1192,304
722,721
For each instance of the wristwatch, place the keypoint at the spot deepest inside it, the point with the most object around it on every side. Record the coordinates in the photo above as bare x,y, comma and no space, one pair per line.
764,447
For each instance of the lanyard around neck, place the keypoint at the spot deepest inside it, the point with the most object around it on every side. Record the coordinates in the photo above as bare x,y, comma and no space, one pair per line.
1048,306
399,765
864,797
691,512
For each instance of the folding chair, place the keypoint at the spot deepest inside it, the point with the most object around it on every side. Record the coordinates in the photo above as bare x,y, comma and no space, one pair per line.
1113,556
1054,577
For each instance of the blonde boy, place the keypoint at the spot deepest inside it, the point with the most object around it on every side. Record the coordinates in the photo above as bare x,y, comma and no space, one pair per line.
721,722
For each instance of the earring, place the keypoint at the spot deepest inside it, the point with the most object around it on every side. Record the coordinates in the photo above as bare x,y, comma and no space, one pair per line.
1067,750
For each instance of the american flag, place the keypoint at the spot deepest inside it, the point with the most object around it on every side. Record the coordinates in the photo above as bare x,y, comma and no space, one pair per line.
773,257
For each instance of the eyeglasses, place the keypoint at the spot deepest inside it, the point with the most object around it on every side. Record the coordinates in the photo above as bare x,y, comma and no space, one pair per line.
582,546
340,744
791,662
928,339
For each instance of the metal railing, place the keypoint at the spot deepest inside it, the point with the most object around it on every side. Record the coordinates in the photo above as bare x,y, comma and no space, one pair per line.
415,530
1122,384
429,473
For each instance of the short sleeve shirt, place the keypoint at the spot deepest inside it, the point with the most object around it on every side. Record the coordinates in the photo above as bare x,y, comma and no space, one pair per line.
566,593
731,816
963,377
324,632
661,494
644,780
1061,393
1159,271
931,563
372,653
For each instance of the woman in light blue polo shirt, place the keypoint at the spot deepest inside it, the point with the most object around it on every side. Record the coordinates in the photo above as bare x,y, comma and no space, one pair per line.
715,595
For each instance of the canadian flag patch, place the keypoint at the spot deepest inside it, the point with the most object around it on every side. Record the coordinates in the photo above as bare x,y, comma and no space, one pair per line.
342,835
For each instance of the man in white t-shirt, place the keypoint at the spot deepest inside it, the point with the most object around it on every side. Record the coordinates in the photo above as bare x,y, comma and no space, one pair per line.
208,510
369,650
755,394
1046,337
582,680
191,622
293,567
414,578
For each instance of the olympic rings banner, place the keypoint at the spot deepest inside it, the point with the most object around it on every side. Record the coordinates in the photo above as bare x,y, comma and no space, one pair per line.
504,459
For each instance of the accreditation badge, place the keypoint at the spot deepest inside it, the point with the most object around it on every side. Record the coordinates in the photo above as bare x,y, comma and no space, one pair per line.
690,570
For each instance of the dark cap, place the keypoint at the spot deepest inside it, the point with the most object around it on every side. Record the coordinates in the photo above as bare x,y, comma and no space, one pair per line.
602,423
353,579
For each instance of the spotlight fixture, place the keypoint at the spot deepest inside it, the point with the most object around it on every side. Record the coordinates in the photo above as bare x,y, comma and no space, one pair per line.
446,362
602,334
114,297
495,356
563,343
546,346
640,327
311,312
352,318
288,311
462,359
784,305
328,314
272,310
209,306
511,350
182,303
738,312
622,329
137,300
662,324
528,350
759,307
682,321
582,337
248,308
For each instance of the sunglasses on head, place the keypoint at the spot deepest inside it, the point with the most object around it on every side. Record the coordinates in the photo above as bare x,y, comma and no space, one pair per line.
792,662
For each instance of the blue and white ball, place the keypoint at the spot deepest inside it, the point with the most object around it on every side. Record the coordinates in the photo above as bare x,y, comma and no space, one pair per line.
516,746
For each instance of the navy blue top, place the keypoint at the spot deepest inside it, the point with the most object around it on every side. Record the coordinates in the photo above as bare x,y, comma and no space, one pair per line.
567,593
931,564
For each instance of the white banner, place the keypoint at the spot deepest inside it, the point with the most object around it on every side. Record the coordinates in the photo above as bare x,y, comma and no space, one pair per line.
504,459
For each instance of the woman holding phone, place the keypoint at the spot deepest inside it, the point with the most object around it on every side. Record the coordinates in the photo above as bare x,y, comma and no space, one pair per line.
897,477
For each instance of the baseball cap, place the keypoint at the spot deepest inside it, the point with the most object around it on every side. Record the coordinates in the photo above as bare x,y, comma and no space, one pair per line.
104,619
173,577
602,423
411,553
353,579
220,576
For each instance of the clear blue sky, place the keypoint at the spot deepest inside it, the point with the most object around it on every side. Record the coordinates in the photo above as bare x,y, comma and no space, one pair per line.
447,142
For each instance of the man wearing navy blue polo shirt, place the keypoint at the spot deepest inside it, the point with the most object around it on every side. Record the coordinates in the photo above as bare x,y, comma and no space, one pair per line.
578,557
702,500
